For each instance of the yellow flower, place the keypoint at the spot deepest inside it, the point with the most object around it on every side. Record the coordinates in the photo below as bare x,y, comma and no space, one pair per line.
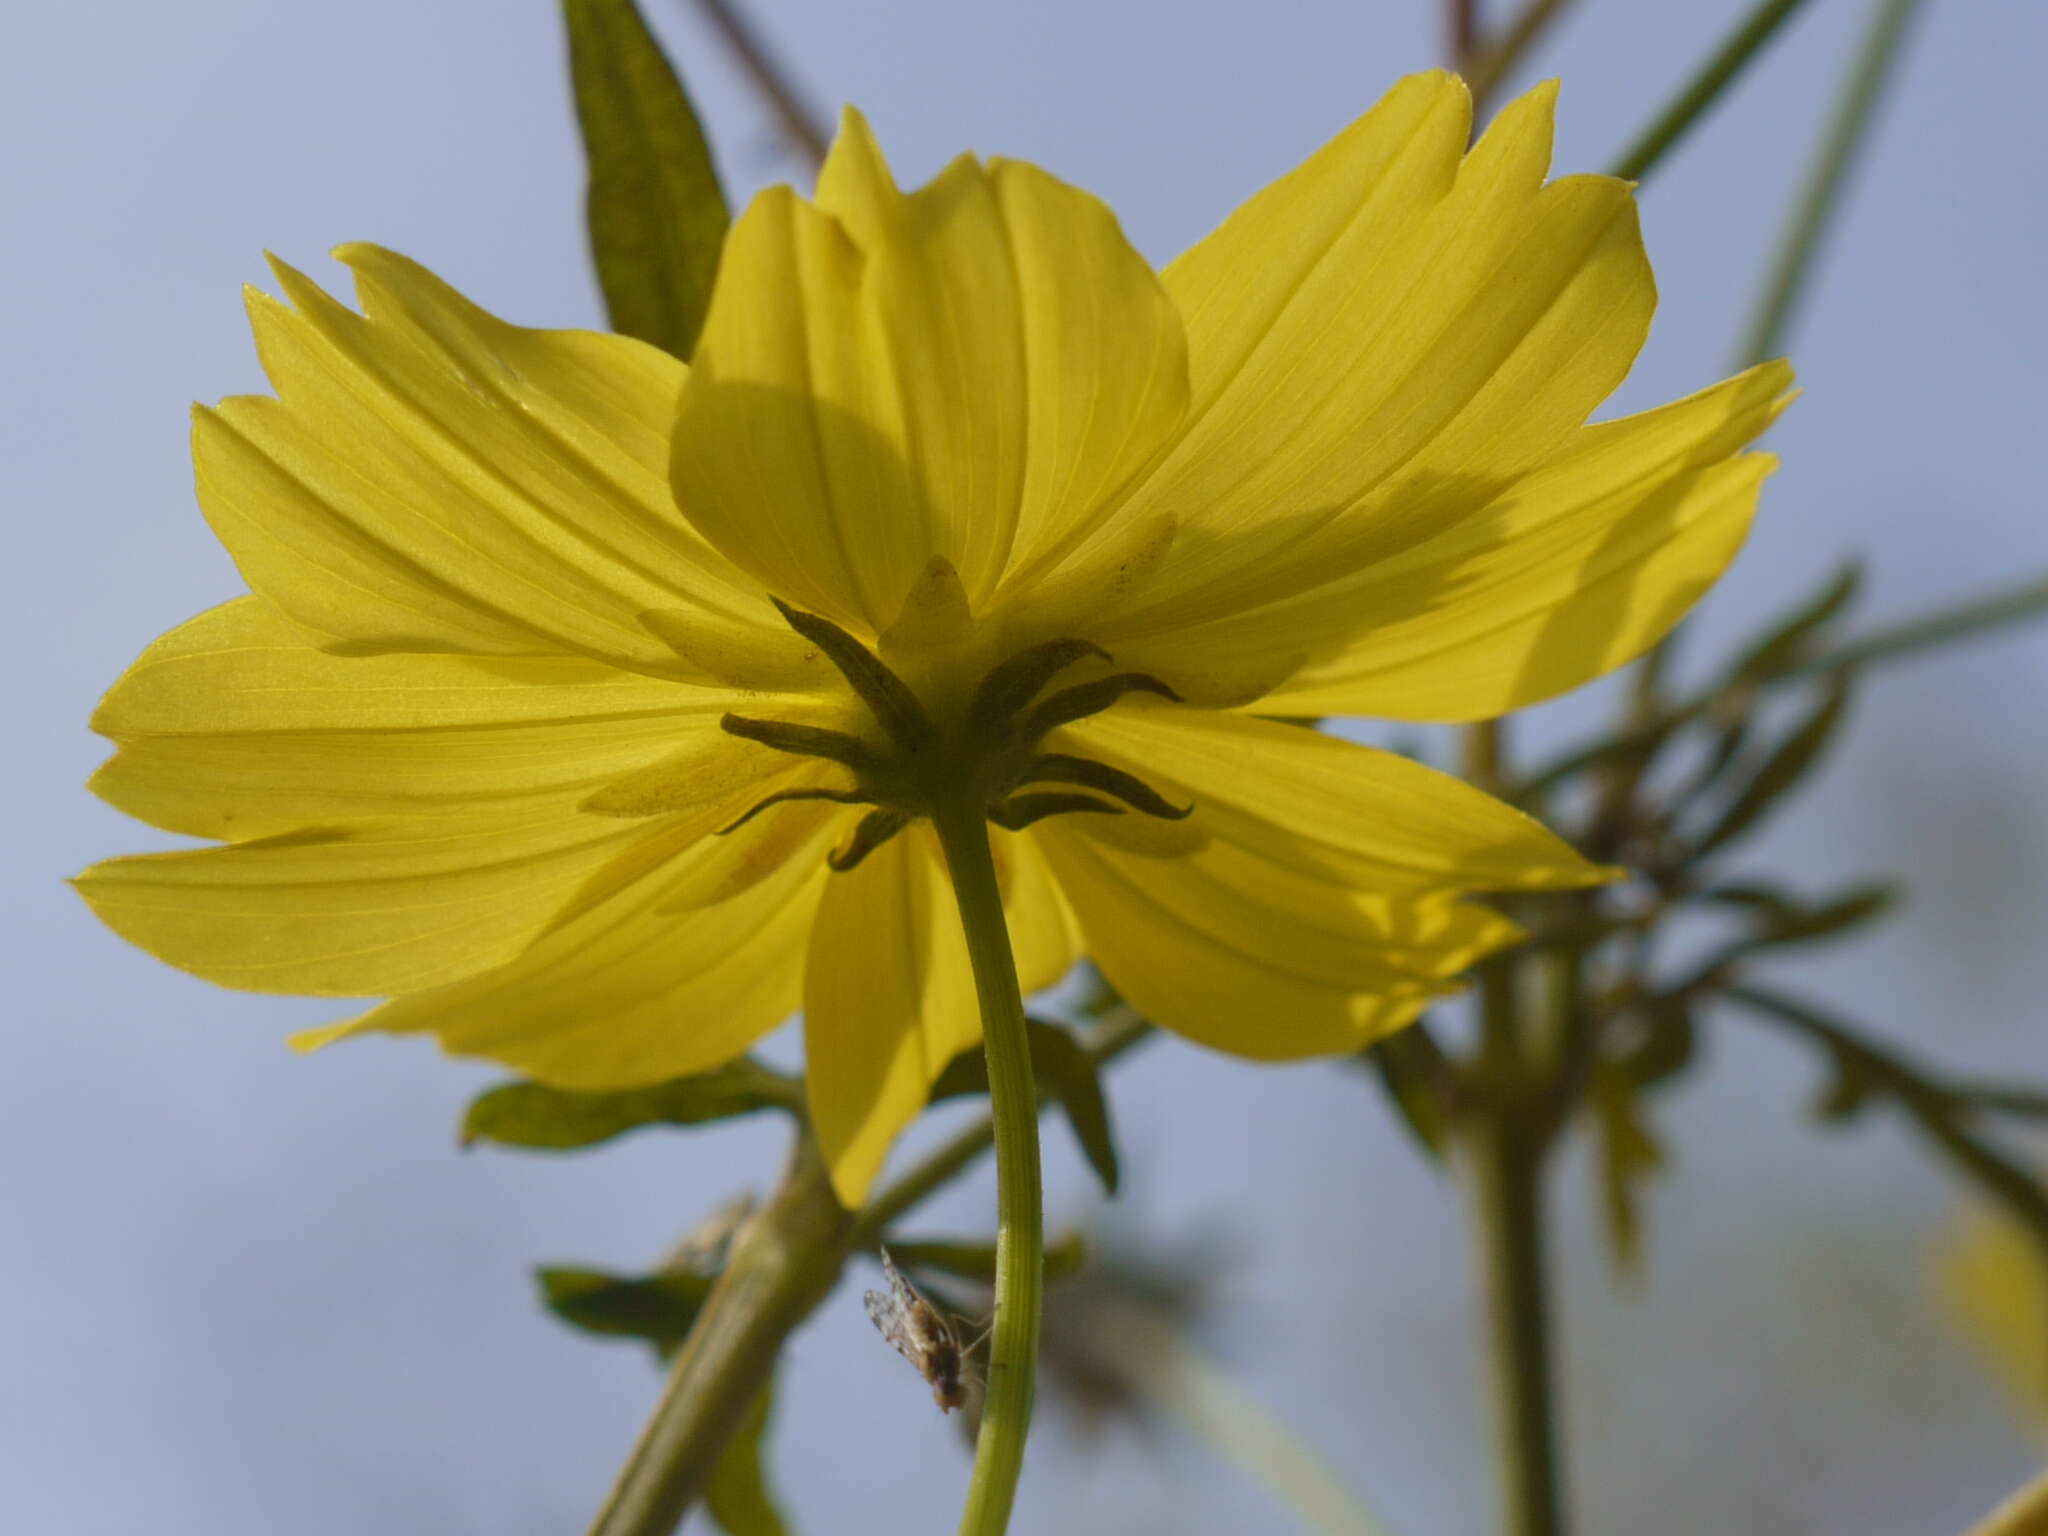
1992,1276
537,614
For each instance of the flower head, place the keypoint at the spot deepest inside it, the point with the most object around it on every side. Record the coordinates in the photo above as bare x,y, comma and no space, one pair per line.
588,707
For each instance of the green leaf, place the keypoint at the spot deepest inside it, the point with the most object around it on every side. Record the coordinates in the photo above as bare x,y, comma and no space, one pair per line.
538,1117
1666,1046
1782,920
1413,1069
656,1309
1941,1113
737,1497
1791,641
656,215
1629,1154
977,1261
1065,1069
1782,770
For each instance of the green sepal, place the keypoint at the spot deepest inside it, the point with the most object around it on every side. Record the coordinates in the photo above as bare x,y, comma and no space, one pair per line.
655,212
1065,1070
656,1309
540,1118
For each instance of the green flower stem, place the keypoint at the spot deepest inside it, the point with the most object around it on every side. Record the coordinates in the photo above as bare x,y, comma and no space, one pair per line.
1820,194
1704,88
1020,1229
1504,1163
1120,1030
812,1238
784,1262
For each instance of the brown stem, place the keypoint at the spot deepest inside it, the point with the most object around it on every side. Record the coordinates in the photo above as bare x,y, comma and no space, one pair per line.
800,118
1487,67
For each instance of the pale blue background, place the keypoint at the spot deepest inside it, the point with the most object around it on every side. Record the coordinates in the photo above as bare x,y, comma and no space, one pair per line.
245,1294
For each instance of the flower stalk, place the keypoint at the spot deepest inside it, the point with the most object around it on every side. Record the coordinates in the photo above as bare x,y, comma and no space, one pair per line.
1505,1169
1013,1106
784,1262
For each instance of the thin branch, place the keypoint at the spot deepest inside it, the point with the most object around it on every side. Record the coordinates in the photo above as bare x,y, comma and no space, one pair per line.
1820,194
1461,30
1488,66
800,117
1940,1114
1704,88
1886,644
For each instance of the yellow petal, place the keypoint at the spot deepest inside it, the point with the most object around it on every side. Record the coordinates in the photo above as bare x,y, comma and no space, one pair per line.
1383,339
429,477
967,371
631,991
888,1001
1330,808
353,913
1246,955
234,726
397,822
1043,935
1574,570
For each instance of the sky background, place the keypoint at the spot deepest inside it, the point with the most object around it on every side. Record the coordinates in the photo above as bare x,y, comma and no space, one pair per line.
246,1293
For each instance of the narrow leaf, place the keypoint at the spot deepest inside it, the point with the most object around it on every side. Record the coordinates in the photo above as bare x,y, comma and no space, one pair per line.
1781,771
1667,1044
1413,1070
656,214
656,1309
1791,641
538,1117
1628,1156
1780,920
737,1497
1936,1110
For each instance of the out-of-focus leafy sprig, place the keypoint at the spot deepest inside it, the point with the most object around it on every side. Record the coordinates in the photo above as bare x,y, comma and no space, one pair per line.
1676,793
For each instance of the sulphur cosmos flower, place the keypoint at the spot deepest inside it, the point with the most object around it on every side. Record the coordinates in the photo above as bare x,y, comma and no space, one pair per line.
584,704
1990,1274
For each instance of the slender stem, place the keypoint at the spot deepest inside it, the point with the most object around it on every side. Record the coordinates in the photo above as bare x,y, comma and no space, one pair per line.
1461,30
785,1261
1944,625
1820,194
1152,1358
1704,88
1020,1221
1488,67
1505,1171
958,1152
1893,642
800,120
1482,754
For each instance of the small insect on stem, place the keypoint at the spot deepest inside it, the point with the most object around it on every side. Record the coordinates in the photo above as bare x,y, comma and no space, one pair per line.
921,1334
